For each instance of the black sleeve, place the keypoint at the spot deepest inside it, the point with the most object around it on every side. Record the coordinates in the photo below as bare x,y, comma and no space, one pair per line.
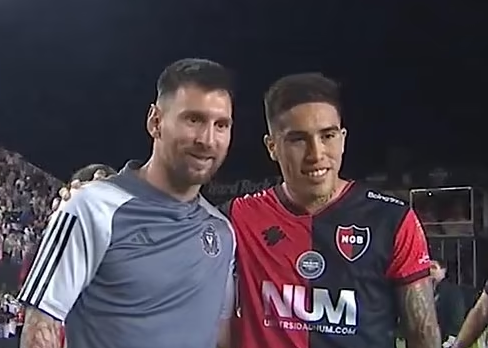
225,208
486,287
457,311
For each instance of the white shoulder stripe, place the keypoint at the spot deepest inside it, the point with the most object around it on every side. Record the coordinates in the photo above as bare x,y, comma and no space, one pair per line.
47,259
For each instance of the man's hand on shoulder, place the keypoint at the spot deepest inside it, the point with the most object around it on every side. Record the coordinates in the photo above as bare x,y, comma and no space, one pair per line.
67,192
40,330
418,314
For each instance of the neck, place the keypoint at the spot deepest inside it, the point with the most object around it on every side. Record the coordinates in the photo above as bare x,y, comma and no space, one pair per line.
156,176
311,203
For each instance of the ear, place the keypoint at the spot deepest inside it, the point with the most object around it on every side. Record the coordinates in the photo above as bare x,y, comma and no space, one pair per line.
270,144
344,136
153,122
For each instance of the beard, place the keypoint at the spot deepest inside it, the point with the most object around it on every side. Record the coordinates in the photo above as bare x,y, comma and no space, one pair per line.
184,173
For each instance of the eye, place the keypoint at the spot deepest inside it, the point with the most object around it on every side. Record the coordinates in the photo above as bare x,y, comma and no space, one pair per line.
294,139
193,118
222,125
329,136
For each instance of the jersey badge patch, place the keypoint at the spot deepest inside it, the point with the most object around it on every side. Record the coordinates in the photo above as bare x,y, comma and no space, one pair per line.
310,264
352,241
210,241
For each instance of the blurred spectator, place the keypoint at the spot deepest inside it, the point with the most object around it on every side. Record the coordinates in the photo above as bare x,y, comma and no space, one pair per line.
449,301
93,171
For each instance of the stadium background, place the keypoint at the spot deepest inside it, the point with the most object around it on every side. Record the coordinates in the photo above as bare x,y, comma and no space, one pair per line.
76,79
27,192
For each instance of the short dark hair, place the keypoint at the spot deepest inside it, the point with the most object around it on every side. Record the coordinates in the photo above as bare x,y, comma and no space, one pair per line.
86,173
296,89
203,73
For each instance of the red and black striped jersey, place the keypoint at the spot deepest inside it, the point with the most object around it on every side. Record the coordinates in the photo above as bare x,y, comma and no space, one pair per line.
327,279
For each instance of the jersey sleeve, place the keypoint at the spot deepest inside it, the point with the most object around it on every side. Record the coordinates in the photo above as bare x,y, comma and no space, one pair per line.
227,311
228,308
68,257
410,261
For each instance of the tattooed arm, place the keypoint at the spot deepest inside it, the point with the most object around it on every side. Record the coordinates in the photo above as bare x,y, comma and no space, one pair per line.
418,314
475,323
410,270
40,330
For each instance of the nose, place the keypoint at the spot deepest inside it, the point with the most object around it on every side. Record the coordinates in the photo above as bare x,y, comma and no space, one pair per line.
315,151
206,136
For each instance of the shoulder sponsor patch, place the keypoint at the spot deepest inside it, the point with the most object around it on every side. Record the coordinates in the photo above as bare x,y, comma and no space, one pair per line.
384,198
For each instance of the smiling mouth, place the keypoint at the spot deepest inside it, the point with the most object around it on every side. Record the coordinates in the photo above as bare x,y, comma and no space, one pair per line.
316,173
202,159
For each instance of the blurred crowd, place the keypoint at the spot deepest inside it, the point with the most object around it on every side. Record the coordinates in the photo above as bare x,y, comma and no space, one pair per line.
26,193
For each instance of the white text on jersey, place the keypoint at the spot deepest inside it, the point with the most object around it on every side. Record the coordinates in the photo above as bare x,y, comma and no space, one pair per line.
324,316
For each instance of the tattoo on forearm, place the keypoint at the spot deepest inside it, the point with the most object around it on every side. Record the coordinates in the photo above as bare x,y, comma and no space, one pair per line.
418,315
40,331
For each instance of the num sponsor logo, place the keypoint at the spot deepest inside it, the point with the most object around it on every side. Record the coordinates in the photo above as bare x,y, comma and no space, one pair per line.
289,310
240,187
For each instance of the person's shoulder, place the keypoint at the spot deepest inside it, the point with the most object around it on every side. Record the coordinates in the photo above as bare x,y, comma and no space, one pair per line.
380,198
92,208
255,199
94,196
248,202
377,204
383,198
212,209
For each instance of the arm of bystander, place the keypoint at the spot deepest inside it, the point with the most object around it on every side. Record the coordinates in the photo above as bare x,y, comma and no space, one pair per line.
475,323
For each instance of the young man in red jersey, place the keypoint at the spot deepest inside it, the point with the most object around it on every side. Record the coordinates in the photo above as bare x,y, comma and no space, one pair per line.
325,262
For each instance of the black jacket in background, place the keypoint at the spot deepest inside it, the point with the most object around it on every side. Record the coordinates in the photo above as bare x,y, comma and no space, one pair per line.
450,308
